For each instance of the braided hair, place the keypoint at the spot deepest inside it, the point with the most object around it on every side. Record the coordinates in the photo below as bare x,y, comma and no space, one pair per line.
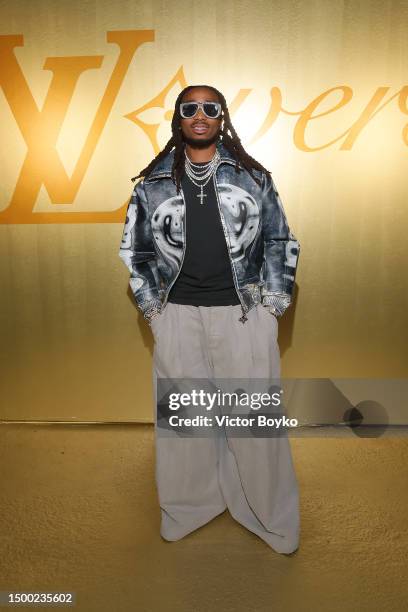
231,142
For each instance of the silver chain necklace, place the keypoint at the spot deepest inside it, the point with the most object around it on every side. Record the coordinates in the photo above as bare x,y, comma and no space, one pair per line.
204,173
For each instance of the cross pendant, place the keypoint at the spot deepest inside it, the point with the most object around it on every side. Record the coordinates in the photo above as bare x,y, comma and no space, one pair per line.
201,196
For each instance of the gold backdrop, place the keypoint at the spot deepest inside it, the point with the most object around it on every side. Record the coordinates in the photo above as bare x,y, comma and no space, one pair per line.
317,92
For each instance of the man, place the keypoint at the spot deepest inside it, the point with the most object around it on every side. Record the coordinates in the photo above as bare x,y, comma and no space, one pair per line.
212,265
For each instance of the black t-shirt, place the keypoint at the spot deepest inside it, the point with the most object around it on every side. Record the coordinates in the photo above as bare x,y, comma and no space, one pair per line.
206,277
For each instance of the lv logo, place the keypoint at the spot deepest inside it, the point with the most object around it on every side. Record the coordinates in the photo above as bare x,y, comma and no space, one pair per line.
40,128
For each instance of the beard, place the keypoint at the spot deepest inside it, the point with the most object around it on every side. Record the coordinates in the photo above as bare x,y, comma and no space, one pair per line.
201,143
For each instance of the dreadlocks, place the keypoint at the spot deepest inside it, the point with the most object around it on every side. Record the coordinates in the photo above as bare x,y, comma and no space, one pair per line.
232,143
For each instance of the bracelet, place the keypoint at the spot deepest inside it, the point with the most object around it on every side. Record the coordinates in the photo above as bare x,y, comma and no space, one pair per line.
151,313
272,310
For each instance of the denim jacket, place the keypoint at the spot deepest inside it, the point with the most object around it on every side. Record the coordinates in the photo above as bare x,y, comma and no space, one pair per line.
262,250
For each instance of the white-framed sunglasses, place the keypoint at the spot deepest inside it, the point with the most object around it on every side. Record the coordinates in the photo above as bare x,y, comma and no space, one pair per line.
212,110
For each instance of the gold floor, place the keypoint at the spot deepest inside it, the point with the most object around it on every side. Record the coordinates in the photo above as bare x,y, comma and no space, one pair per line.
79,513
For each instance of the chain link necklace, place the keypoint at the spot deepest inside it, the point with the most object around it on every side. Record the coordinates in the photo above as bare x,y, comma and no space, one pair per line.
203,173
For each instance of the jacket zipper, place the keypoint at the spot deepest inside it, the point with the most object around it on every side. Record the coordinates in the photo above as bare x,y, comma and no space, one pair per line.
184,249
244,318
244,311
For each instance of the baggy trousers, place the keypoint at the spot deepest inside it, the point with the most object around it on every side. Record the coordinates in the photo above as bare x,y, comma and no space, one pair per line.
199,478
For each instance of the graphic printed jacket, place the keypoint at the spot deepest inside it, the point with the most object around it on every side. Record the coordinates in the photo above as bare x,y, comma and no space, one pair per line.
262,250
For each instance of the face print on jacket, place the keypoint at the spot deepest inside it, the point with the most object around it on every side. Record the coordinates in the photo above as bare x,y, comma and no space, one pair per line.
241,216
167,228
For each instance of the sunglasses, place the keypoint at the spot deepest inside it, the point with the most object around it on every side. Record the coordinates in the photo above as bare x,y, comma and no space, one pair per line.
190,109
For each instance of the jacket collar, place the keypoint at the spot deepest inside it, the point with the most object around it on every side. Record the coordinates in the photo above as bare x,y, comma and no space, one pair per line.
163,168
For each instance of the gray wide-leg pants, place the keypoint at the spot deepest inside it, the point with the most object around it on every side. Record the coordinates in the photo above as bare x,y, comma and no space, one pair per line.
199,478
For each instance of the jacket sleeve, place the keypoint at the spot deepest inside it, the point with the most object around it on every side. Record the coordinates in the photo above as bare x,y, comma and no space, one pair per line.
138,254
281,251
